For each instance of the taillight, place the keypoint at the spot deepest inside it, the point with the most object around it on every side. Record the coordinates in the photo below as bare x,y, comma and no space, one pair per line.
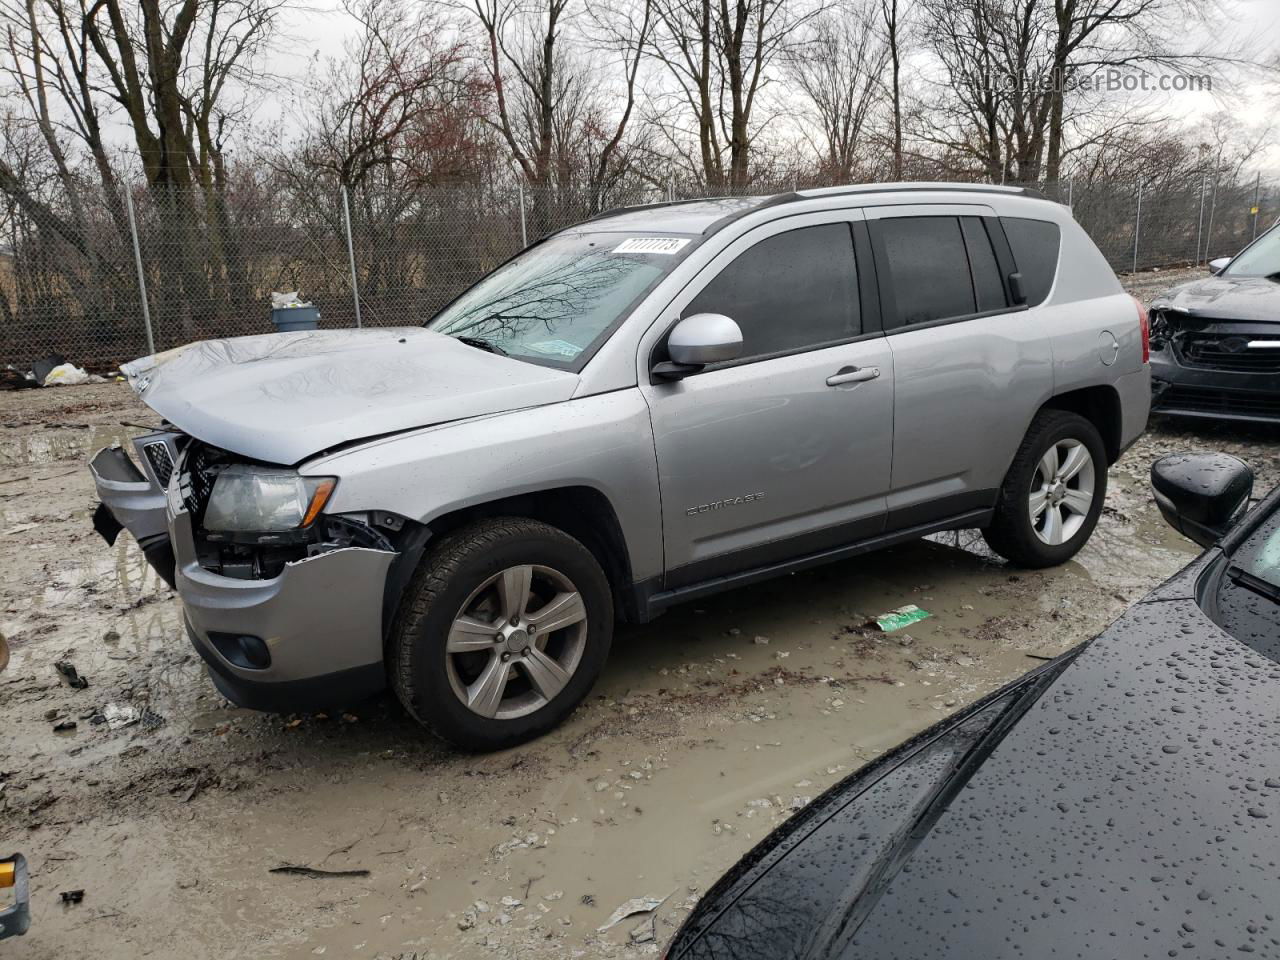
1144,322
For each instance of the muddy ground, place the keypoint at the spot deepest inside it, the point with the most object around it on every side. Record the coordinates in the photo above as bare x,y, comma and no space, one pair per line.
708,728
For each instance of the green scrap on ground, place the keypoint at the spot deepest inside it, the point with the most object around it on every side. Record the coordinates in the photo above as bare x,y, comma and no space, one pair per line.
902,617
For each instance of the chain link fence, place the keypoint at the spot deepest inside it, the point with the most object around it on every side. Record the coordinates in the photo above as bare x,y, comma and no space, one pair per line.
106,278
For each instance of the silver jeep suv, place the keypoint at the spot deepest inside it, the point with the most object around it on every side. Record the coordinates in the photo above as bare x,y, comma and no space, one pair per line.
643,409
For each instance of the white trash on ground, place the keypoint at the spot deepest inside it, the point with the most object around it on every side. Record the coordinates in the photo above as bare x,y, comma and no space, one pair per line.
66,375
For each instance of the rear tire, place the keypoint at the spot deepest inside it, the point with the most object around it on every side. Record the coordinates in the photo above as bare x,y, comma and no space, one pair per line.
1053,493
501,634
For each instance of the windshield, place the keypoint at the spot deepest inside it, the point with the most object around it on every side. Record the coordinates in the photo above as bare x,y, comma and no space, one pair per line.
556,301
1259,556
1259,259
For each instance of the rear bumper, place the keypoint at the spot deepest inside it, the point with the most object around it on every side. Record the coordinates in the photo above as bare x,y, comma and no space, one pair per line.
1182,391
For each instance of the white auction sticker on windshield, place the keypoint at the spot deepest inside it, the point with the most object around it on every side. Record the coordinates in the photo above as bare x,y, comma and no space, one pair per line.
652,245
556,348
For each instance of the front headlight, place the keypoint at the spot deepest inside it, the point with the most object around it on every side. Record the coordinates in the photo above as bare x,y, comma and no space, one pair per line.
249,499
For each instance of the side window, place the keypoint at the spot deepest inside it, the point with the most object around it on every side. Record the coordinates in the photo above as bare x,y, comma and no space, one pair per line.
1035,250
791,291
928,268
982,264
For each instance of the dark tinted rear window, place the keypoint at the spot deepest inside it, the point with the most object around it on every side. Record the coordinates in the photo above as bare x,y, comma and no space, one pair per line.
928,267
1035,251
791,291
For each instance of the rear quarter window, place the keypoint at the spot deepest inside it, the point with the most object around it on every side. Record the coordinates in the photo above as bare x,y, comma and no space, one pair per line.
1035,245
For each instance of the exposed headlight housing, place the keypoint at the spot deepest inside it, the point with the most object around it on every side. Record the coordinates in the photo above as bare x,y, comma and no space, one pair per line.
253,499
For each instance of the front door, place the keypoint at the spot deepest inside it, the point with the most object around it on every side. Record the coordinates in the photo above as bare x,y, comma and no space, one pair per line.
785,451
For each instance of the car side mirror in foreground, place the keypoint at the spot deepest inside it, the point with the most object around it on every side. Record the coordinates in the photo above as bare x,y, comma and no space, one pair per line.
697,341
1217,266
1201,494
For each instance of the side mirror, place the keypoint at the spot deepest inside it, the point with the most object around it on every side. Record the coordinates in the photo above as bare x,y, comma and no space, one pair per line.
1201,494
697,341
1015,289
1217,266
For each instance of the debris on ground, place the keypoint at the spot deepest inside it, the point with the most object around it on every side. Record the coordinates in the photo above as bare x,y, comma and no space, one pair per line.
631,908
315,872
119,716
41,368
901,617
72,896
11,378
66,375
68,672
645,932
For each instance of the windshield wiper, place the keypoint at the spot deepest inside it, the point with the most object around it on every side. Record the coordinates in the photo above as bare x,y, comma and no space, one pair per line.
480,343
1255,583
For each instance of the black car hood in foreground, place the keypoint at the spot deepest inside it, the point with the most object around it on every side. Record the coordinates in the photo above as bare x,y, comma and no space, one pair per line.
1225,298
1124,802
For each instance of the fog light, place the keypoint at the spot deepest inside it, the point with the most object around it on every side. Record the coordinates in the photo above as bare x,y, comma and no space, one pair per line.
251,653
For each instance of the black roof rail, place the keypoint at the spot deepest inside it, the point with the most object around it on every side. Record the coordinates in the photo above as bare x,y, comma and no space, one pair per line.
930,187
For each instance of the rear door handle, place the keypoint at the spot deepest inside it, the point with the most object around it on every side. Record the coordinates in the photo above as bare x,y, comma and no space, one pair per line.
853,375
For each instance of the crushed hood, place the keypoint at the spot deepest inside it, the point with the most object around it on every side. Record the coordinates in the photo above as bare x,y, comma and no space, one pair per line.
282,397
1225,298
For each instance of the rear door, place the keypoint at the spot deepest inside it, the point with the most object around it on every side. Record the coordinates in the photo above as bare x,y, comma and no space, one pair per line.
970,369
786,450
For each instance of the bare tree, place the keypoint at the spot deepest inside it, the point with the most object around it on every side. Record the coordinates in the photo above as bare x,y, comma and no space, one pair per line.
891,16
839,69
394,115
1094,34
176,73
719,55
550,105
392,73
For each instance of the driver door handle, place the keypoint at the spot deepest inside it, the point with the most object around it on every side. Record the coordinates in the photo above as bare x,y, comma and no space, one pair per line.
853,375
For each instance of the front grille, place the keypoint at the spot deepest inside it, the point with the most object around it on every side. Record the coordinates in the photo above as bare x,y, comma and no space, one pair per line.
201,466
1232,352
1209,400
161,461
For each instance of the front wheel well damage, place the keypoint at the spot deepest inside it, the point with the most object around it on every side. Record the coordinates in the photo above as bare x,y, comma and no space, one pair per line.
1100,405
584,513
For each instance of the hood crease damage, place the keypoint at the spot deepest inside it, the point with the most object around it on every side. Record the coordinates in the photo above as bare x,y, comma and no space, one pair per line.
332,387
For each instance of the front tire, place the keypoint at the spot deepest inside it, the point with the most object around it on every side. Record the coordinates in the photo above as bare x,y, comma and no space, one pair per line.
501,634
1053,493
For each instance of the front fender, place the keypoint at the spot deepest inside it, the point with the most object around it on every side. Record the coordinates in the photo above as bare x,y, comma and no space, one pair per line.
604,442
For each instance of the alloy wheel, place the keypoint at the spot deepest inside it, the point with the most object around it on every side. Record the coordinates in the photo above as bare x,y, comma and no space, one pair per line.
1062,491
516,641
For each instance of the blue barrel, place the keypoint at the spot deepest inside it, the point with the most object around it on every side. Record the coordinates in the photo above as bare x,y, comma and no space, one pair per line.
289,319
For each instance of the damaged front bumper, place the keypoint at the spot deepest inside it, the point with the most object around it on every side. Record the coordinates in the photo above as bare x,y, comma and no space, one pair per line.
306,639
309,637
1216,370
133,498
